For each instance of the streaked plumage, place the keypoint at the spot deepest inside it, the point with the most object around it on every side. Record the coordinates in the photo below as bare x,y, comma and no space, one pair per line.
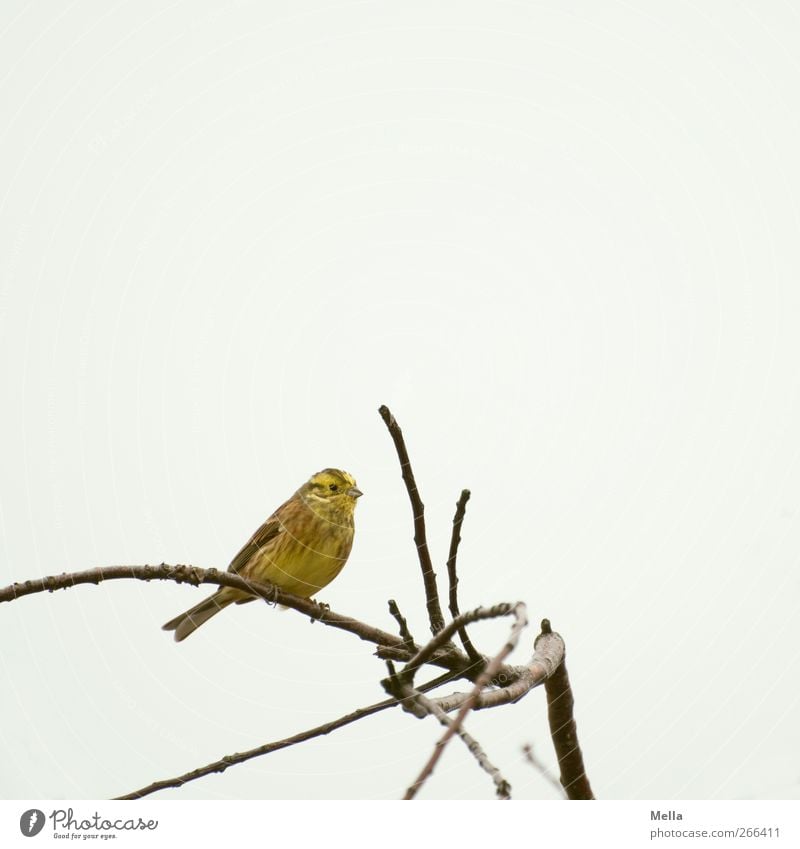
300,548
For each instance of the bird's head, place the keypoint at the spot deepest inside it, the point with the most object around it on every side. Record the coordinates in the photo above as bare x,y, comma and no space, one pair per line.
333,489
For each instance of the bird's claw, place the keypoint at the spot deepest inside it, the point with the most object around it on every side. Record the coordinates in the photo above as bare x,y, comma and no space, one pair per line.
323,609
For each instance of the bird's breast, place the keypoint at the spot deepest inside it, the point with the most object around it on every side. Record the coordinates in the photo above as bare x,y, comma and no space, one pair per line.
303,564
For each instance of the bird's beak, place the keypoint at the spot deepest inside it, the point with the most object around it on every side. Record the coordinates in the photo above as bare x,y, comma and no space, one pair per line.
354,492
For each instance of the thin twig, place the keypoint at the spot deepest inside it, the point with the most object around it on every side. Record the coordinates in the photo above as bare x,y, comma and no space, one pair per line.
418,508
240,757
527,751
419,705
405,634
484,679
564,731
452,574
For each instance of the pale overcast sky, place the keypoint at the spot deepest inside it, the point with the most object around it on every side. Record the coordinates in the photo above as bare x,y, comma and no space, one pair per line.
559,239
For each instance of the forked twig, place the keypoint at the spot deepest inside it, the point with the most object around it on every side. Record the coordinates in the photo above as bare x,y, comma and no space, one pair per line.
484,679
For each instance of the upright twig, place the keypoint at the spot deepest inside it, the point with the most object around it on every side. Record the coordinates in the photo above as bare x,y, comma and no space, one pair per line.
564,731
418,508
402,625
452,574
520,621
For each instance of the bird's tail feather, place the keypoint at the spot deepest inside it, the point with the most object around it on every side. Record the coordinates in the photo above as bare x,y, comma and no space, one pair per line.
188,622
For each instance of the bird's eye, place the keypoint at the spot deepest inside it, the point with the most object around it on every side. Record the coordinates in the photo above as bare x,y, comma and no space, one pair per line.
333,487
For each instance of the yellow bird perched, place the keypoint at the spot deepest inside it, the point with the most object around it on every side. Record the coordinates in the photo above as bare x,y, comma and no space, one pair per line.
301,547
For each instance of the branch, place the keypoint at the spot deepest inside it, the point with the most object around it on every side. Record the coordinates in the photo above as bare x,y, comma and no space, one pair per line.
451,659
548,655
192,575
452,574
484,679
514,681
387,645
564,731
418,509
240,757
417,704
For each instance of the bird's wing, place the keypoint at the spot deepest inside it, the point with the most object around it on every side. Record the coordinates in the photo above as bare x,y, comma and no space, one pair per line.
262,537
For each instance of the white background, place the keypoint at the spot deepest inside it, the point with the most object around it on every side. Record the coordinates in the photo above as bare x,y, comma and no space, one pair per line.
560,240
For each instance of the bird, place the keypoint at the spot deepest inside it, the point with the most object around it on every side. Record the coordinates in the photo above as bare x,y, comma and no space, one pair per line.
300,548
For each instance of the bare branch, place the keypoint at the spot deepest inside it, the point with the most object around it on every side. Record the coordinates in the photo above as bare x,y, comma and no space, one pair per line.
548,654
387,645
564,731
484,679
414,702
418,508
192,575
452,574
451,659
240,757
